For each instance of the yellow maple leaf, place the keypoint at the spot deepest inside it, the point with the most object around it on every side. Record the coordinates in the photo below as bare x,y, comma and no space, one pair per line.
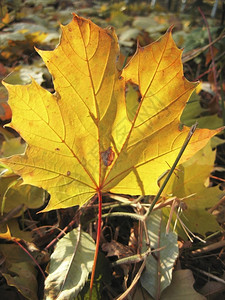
82,139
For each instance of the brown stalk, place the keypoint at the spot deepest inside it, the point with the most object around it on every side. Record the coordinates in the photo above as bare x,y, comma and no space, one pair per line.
211,52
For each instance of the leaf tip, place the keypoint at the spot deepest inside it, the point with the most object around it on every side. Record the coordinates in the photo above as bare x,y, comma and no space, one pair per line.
170,29
138,44
75,16
110,30
79,20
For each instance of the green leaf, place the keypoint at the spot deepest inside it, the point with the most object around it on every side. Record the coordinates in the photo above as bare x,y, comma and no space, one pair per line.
158,273
70,265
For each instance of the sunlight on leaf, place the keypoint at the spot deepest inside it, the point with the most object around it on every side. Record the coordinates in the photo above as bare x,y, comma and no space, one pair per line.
81,139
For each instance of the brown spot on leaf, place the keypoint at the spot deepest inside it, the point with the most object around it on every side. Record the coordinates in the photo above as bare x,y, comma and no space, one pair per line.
108,156
68,173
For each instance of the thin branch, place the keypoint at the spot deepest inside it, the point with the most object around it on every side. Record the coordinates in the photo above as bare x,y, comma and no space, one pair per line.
208,275
124,214
193,53
208,248
187,140
28,253
211,52
134,282
217,204
136,258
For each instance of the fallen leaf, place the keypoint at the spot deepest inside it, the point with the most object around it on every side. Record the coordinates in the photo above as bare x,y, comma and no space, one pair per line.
214,289
5,111
193,112
14,193
159,265
115,248
68,131
12,146
189,180
70,265
181,287
141,294
19,271
12,232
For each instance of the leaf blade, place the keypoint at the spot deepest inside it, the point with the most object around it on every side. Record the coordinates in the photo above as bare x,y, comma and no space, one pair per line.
68,270
70,132
158,273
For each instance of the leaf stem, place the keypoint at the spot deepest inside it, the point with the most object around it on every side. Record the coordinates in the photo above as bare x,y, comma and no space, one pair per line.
190,133
97,241
30,255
